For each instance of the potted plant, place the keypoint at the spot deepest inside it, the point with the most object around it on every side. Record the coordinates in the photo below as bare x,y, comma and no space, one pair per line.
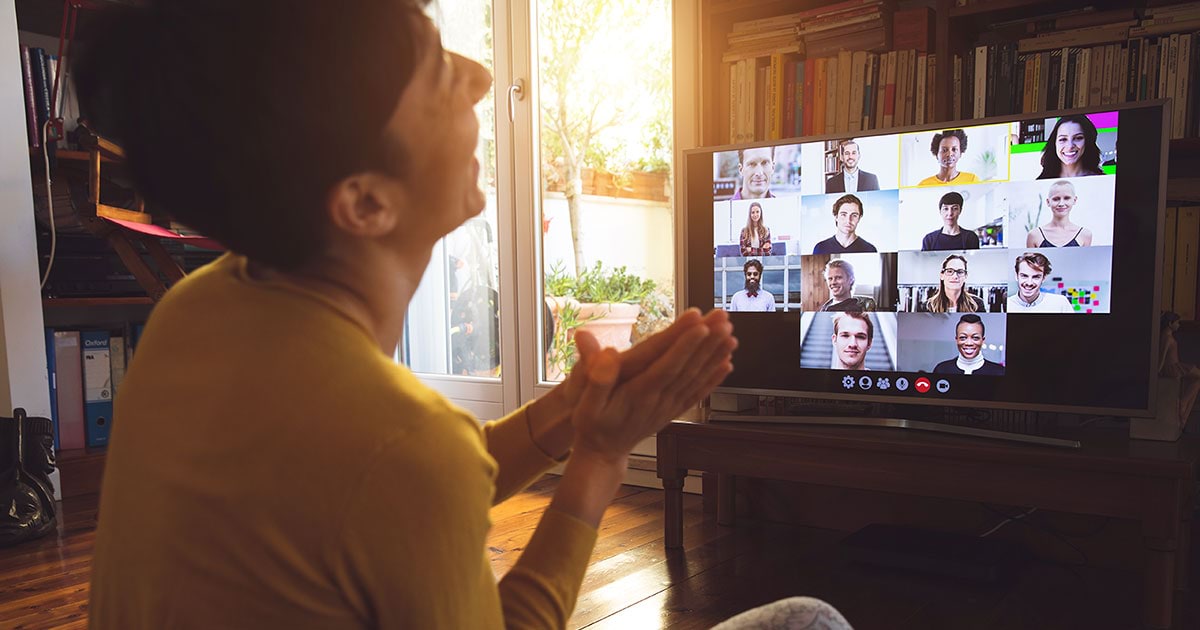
605,302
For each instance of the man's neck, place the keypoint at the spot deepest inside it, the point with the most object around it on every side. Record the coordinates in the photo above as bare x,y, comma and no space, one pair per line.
845,239
851,172
838,300
856,366
1036,296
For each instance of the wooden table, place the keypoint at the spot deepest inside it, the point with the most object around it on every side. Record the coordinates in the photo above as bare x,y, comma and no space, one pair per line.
1148,482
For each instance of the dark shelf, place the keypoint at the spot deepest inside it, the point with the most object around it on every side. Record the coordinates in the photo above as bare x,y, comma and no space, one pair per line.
97,301
1185,148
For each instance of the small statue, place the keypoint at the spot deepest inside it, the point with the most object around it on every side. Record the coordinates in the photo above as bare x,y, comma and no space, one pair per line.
1170,366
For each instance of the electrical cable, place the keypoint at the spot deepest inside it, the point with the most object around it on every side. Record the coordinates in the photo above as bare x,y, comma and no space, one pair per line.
1006,522
49,202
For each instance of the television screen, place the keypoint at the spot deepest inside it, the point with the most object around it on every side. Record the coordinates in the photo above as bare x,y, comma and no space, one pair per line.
1001,263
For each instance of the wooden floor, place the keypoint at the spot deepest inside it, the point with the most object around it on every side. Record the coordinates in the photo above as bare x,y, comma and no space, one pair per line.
635,584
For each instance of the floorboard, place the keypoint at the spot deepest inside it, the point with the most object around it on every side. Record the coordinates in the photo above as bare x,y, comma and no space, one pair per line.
634,582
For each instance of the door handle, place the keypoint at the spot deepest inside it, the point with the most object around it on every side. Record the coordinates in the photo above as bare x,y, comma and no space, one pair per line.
516,92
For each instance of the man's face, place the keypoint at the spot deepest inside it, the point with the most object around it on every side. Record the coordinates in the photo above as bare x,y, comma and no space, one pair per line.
839,283
756,169
1061,199
1029,281
753,279
847,218
850,156
436,124
969,338
850,343
950,212
949,150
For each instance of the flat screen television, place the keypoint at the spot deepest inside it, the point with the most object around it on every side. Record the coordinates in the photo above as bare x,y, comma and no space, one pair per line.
1010,262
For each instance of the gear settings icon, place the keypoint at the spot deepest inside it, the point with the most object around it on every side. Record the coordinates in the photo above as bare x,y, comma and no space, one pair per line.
848,382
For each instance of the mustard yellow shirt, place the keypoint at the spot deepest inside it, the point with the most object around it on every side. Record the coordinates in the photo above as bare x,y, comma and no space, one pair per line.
963,177
269,467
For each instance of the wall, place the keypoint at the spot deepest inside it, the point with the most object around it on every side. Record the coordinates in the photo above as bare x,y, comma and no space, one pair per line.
629,232
23,380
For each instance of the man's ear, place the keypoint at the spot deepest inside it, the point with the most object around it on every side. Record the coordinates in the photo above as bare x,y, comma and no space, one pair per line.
359,206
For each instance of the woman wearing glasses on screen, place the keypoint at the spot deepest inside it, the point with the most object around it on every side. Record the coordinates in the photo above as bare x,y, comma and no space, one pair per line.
952,295
1071,149
1059,231
755,239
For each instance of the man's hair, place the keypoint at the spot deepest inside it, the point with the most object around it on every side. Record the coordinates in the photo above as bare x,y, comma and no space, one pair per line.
859,315
949,133
1037,260
951,199
246,147
753,262
971,318
741,154
843,265
848,198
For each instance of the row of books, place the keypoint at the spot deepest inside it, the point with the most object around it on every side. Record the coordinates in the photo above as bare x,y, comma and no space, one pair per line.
1181,240
38,70
999,79
850,24
85,368
784,96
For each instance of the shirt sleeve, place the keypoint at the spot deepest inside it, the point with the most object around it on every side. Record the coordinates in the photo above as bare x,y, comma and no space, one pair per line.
521,462
410,552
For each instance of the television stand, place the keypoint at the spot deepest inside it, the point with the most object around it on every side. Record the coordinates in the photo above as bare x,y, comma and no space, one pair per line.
900,423
1150,483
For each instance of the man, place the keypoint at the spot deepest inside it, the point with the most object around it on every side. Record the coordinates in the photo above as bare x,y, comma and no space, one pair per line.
851,179
839,277
286,471
952,235
852,336
847,212
755,168
1032,268
969,337
752,298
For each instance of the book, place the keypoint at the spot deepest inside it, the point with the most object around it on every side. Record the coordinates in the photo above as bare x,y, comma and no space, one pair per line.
50,381
1168,260
97,386
68,381
116,357
1186,244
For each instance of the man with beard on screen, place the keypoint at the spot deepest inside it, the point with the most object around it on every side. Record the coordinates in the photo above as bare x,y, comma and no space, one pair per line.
752,298
969,337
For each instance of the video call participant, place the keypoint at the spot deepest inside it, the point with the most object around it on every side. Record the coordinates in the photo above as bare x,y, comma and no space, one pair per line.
851,179
852,336
847,212
839,277
755,239
752,298
1032,268
1071,149
948,148
952,235
1061,198
755,168
969,337
952,295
